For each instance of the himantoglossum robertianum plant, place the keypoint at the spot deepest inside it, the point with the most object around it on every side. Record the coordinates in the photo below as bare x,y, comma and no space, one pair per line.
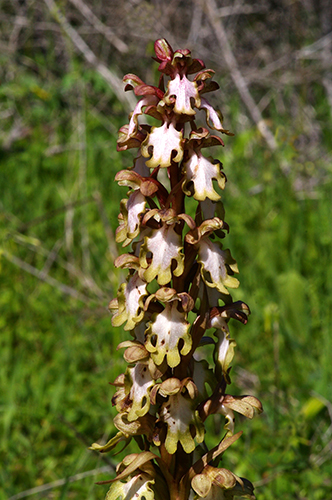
176,297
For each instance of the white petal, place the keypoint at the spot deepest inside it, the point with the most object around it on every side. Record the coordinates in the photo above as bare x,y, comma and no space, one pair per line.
213,119
135,290
146,101
184,90
164,140
135,206
139,392
201,171
179,415
169,327
213,260
136,488
164,244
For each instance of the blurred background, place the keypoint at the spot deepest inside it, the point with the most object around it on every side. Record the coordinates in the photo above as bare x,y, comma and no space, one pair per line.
61,104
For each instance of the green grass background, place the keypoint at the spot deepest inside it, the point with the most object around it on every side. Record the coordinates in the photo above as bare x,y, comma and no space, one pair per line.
59,206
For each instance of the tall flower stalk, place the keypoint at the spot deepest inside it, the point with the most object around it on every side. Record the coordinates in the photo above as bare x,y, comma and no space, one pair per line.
176,297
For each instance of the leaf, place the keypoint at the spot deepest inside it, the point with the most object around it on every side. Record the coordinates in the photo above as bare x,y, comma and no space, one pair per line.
312,407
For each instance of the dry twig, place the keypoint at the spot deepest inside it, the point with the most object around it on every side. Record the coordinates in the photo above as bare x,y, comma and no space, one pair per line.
239,81
113,80
53,256
45,277
60,482
99,26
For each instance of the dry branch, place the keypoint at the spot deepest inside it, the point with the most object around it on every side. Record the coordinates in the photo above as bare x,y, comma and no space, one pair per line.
100,27
48,279
60,482
52,256
110,77
238,79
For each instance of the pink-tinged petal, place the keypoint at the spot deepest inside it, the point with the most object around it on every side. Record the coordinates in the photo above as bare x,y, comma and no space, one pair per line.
201,171
213,117
165,246
144,233
214,261
180,92
133,124
132,81
163,140
164,334
129,302
135,207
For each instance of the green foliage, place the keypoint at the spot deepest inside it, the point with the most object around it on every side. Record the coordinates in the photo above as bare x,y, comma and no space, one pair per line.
58,352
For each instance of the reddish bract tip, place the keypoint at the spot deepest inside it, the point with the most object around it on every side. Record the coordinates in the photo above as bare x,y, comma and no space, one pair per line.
163,50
